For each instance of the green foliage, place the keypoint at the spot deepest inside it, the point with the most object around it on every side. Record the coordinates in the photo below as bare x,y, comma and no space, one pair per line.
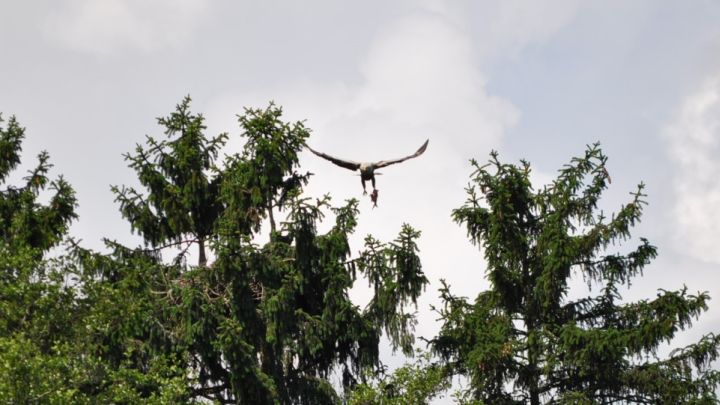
524,341
260,323
262,177
393,273
62,332
266,318
182,204
27,375
23,220
413,383
36,306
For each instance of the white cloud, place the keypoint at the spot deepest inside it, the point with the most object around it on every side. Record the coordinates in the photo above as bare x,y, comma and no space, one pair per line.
506,27
422,74
106,26
420,78
694,145
515,24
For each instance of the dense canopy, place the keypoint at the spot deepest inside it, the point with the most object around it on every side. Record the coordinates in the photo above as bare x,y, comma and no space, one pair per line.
235,296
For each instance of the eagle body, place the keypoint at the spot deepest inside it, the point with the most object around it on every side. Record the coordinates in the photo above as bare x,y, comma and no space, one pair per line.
367,173
366,170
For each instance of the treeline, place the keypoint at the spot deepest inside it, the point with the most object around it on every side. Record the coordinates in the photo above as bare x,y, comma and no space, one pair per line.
252,322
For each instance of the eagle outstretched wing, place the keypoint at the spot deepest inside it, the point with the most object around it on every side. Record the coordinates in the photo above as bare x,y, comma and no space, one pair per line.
348,164
419,152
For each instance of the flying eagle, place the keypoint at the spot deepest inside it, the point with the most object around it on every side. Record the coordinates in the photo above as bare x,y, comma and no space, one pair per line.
367,170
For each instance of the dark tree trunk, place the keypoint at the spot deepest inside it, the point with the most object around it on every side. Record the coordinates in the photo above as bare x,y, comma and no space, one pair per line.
202,261
271,217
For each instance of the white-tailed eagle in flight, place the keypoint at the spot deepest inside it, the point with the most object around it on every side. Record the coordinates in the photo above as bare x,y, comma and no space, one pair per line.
367,169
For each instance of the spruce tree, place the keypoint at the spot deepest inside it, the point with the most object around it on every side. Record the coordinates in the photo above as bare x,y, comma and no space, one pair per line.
28,229
182,205
36,306
24,220
265,316
524,340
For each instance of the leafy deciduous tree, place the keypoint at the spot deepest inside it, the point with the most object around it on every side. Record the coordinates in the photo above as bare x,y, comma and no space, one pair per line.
414,383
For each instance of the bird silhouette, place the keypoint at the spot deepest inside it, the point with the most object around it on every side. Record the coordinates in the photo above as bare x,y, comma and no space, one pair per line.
367,169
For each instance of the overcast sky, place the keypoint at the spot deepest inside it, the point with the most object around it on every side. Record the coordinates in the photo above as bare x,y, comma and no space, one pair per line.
535,79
